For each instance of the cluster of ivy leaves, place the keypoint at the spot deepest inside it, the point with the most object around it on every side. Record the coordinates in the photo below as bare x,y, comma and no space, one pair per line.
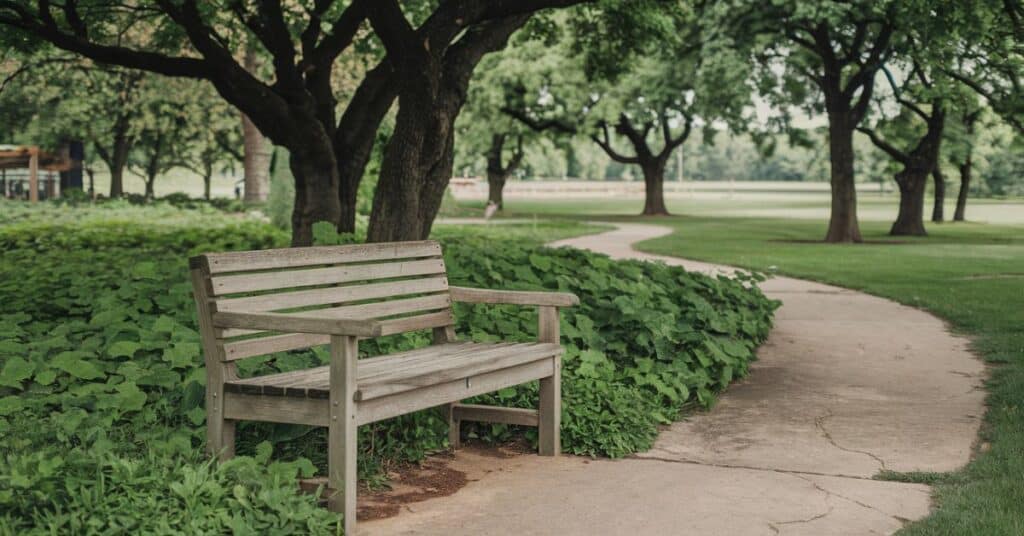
101,377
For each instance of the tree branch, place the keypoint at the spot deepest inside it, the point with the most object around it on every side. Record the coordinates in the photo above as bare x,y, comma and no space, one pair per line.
540,125
606,145
892,151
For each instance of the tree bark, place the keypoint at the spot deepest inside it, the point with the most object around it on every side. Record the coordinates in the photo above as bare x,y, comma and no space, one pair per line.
910,219
965,185
316,190
654,187
940,195
356,135
843,225
495,189
117,160
497,171
419,157
257,148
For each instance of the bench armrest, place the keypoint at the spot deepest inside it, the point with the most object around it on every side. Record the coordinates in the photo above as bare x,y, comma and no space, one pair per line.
513,297
297,323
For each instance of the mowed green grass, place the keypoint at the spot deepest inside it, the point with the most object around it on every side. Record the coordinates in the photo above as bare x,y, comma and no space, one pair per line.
971,275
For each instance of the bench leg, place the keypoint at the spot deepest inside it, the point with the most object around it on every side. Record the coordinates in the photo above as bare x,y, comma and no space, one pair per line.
220,432
550,410
220,437
453,427
550,426
341,432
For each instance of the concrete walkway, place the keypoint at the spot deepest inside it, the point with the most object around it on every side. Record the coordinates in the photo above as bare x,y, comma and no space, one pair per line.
847,385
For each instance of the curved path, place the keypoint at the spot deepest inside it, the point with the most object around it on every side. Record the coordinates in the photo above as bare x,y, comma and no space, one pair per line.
847,385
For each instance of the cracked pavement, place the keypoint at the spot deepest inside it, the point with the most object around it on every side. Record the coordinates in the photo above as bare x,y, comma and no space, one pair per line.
846,385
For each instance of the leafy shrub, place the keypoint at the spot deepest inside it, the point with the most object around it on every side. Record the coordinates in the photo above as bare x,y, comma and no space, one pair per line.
98,341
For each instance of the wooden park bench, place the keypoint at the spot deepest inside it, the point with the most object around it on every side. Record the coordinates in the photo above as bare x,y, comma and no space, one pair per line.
254,303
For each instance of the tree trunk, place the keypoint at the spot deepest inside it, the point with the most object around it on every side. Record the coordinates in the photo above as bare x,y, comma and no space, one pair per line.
150,180
92,181
654,187
419,157
356,135
495,188
965,185
258,150
496,173
207,179
910,220
940,195
414,156
117,159
316,190
843,225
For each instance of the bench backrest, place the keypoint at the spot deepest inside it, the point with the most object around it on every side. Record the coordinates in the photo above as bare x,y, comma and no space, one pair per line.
402,283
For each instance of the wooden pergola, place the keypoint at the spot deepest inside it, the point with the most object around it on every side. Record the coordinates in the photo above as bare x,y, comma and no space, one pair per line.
32,158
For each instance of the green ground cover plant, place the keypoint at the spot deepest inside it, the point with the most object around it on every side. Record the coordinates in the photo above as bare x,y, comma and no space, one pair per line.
101,380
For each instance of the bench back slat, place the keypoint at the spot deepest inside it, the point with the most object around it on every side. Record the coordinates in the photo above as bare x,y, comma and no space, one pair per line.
308,277
319,296
402,284
278,259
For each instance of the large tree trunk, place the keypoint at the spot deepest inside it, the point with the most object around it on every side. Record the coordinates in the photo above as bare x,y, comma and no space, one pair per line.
654,187
258,149
940,195
417,154
965,184
150,181
316,190
910,219
843,225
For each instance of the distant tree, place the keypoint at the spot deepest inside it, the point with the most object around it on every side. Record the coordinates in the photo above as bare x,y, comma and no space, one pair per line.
650,95
64,97
822,56
989,53
919,127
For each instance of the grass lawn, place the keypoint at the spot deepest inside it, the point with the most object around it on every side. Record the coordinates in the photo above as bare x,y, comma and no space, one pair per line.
971,275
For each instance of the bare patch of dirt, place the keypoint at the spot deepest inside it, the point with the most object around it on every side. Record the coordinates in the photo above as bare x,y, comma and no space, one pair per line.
412,483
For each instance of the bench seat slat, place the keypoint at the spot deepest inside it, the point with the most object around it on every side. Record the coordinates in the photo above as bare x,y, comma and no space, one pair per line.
405,371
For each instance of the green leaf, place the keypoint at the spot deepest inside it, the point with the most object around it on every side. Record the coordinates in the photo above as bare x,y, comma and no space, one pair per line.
129,397
182,355
542,263
15,371
145,270
10,404
81,369
45,377
123,349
